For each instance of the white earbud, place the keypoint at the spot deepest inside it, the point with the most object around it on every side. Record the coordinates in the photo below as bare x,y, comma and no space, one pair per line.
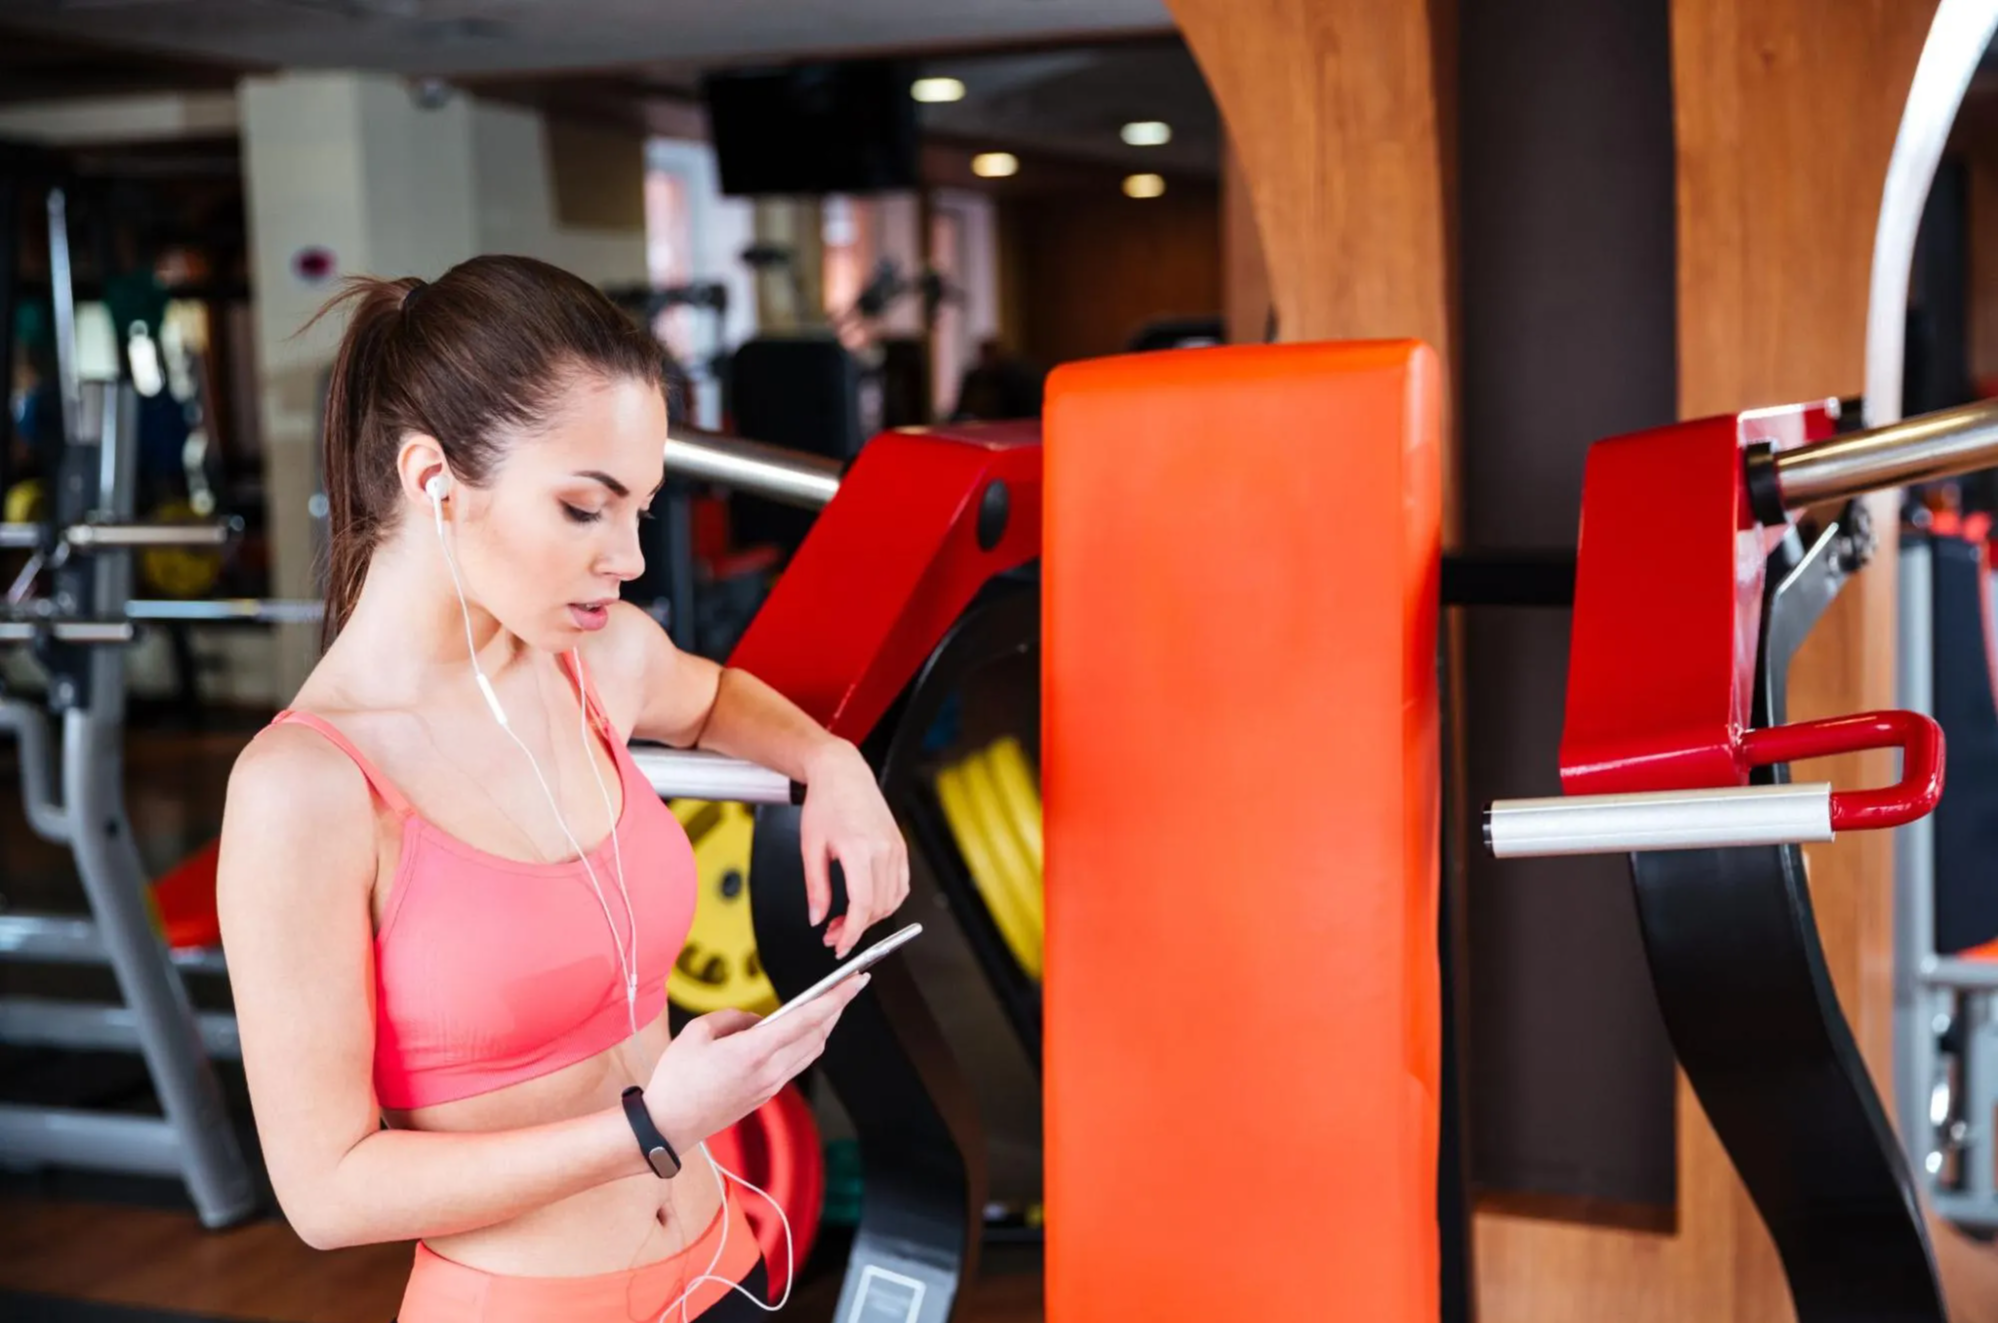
438,487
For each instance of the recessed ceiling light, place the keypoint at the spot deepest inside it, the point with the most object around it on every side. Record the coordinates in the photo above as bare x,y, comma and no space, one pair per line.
937,90
995,165
1143,186
1147,133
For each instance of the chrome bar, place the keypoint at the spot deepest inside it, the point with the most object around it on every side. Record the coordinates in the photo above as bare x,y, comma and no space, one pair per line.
67,631
1936,445
258,610
62,291
64,939
772,472
1659,820
85,537
686,774
92,1027
1950,972
102,1141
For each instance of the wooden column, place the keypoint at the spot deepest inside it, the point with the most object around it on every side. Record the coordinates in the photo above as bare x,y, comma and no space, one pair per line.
1331,108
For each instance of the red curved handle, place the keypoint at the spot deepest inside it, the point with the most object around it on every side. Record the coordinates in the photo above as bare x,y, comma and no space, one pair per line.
1918,737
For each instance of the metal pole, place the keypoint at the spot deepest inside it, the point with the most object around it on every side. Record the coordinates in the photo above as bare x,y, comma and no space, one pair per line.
63,294
10,259
246,609
772,472
1915,873
67,631
1936,445
87,537
1659,820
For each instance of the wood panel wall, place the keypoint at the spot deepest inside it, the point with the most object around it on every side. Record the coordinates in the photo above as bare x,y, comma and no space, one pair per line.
1090,271
1785,111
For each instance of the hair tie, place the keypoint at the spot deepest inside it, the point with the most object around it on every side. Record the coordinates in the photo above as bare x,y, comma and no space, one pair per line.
409,296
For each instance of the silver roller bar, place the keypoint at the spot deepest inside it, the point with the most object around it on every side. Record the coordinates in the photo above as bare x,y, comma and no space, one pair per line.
693,774
253,609
787,476
67,631
1936,445
1659,820
87,537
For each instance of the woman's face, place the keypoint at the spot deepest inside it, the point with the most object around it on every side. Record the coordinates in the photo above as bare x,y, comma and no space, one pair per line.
546,544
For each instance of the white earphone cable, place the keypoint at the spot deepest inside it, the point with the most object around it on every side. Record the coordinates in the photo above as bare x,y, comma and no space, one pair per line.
626,962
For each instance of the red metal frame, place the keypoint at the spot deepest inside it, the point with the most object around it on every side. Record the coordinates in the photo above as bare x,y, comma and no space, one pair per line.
1669,600
890,565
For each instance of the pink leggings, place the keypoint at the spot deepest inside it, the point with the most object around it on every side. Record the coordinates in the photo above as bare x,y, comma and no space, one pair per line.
441,1291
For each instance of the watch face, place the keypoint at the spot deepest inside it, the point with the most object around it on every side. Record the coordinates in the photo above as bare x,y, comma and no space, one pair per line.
662,1162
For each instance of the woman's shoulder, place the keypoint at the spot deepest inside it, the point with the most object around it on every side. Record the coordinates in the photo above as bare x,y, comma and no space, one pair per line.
293,775
620,657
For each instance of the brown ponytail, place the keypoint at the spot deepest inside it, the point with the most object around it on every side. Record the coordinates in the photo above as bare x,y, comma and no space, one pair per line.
484,350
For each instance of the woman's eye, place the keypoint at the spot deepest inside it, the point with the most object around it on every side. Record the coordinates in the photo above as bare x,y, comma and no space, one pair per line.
580,516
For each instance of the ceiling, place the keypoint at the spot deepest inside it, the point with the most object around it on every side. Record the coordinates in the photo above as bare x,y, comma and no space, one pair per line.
491,36
1054,78
1068,101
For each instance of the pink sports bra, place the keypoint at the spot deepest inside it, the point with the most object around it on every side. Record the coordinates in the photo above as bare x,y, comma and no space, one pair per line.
490,971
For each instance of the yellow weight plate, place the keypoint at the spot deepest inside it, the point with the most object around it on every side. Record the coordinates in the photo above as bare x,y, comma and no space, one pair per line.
179,572
718,967
1016,782
968,830
24,502
1017,872
1018,803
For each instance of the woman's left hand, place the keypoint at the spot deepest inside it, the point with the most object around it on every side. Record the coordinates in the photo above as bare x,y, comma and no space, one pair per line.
846,818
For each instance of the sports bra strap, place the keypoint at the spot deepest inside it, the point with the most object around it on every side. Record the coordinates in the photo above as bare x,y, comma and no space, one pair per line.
590,703
382,785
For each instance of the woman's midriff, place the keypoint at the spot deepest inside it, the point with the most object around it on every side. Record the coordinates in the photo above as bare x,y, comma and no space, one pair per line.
613,1227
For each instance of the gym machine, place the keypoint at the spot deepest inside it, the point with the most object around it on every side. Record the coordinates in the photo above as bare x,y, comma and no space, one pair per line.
1675,746
904,580
84,809
85,548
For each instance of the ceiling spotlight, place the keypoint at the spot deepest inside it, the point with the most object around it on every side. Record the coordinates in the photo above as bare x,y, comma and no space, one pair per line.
1146,133
1143,186
995,165
937,90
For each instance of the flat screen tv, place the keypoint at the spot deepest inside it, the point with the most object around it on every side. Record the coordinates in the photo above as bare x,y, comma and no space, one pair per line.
845,127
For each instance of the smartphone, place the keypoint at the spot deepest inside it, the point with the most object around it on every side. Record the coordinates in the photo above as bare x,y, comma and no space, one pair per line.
855,963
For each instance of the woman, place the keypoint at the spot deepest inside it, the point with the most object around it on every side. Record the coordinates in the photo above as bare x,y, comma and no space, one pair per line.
452,1013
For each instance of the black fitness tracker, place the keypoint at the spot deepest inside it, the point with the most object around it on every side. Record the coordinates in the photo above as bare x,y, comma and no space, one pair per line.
665,1163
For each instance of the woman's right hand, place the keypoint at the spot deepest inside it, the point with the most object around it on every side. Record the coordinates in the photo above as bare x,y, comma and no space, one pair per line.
724,1066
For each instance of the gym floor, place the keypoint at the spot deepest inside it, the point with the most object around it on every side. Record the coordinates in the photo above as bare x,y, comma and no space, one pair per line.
90,1248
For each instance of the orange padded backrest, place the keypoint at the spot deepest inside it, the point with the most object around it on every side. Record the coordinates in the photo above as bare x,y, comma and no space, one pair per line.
1240,575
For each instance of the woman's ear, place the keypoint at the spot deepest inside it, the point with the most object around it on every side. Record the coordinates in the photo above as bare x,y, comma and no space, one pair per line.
422,470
